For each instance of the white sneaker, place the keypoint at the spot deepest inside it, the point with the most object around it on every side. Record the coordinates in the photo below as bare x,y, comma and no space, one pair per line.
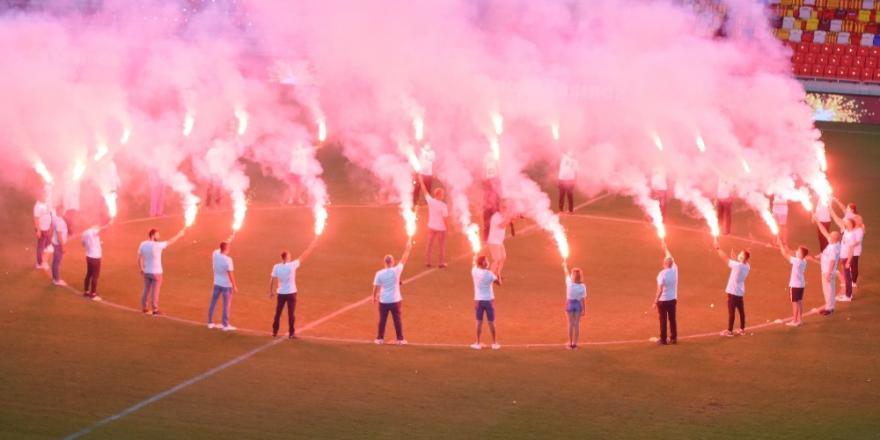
229,328
477,346
402,342
496,346
59,282
844,298
97,298
212,325
378,341
726,333
793,324
739,332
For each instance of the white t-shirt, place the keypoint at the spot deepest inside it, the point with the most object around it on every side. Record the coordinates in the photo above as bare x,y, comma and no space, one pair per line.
151,252
823,212
667,279
848,241
859,237
496,229
830,257
567,167
483,280
222,265
43,214
798,267
286,275
389,282
91,240
59,233
437,212
426,162
736,283
574,291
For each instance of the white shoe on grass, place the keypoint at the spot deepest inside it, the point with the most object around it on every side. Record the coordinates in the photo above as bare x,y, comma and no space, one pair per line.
844,298
793,324
402,342
496,346
229,328
59,282
739,332
477,346
727,333
212,325
378,341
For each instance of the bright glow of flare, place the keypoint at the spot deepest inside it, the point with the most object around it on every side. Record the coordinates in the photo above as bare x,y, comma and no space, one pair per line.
101,150
126,135
745,165
561,243
708,211
320,219
322,130
190,210
41,169
473,235
79,168
418,128
701,145
658,142
554,129
189,121
820,156
495,148
110,201
771,222
653,208
241,115
498,123
409,218
239,209
414,161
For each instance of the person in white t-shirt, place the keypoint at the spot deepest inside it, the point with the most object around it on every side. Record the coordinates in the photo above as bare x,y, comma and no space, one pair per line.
438,224
91,240
736,289
42,228
666,300
724,205
823,215
296,192
568,166
424,179
284,275
797,282
59,240
851,248
150,264
224,285
779,208
71,203
828,261
495,241
386,291
575,303
484,299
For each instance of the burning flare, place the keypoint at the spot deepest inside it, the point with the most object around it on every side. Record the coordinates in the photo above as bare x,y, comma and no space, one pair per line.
41,169
497,123
745,165
418,128
241,115
320,218
322,130
126,135
409,219
101,150
414,161
189,121
239,209
657,141
771,222
79,168
701,145
554,129
110,201
473,235
561,243
190,210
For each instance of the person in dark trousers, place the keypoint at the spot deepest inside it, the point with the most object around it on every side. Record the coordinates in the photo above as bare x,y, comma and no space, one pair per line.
59,240
736,289
666,299
567,174
724,206
284,274
91,240
852,236
42,228
386,291
150,264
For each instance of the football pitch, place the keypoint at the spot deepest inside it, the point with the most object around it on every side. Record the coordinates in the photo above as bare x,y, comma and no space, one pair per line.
72,367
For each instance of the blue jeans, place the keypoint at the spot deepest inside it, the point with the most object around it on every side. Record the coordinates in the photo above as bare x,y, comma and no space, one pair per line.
56,261
227,303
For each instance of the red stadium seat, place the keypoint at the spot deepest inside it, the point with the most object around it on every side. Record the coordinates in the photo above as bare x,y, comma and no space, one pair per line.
827,49
875,51
876,75
819,70
834,60
797,59
871,62
810,58
822,59
864,51
846,60
854,73
850,49
804,47
805,70
842,72
868,74
838,49
816,48
858,62
830,71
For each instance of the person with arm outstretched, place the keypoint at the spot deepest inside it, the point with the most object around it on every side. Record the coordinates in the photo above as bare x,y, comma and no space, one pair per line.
150,265
438,223
284,277
828,262
386,292
736,288
91,240
797,281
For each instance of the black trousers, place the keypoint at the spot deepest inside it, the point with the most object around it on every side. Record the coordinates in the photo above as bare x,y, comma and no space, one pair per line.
735,303
93,271
417,190
487,217
823,242
666,309
290,300
566,192
394,310
725,214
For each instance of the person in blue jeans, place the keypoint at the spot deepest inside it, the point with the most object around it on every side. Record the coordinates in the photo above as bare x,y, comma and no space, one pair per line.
386,291
224,285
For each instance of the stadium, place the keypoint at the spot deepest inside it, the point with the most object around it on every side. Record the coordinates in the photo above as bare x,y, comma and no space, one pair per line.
224,198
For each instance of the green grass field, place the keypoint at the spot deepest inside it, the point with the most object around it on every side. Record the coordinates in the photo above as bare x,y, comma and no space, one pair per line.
68,363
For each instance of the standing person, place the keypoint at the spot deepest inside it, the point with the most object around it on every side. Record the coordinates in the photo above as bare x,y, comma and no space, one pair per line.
42,227
779,208
386,291
796,282
724,205
736,289
666,299
484,299
71,203
157,194
284,274
224,285
575,303
59,239
849,210
567,173
495,242
150,264
857,250
438,224
660,190
424,178
91,240
299,168
828,262
850,239
823,216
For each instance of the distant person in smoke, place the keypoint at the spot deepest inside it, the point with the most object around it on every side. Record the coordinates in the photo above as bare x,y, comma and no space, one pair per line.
823,216
424,179
484,299
91,240
214,193
660,190
851,244
59,240
71,203
797,281
779,208
157,194
299,164
438,224
386,291
495,241
42,228
736,289
224,285
575,302
568,166
666,300
150,264
724,206
828,261
284,276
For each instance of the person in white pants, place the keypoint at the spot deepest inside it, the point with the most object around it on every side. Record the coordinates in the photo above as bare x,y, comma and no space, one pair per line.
828,262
